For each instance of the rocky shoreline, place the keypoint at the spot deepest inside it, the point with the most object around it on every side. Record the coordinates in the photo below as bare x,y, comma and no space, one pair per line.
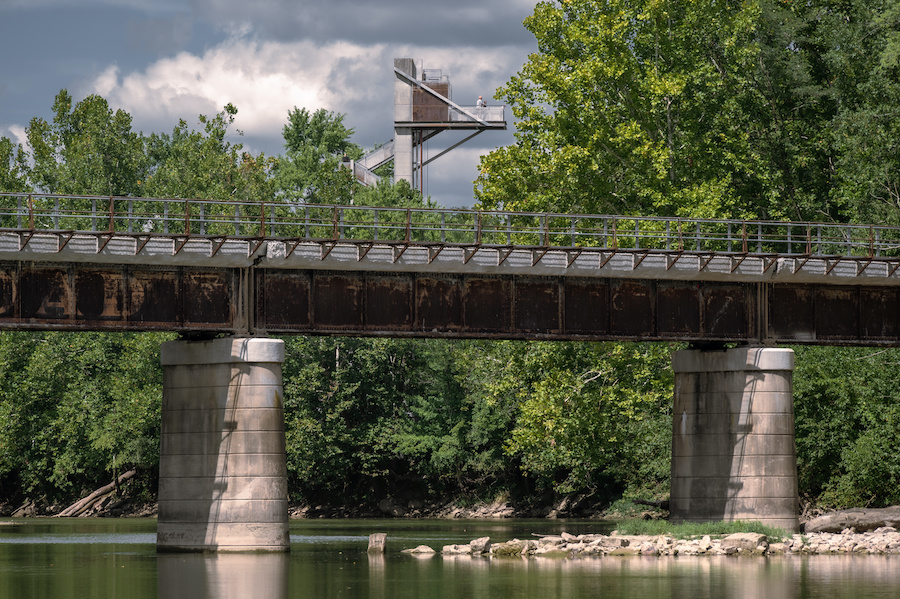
881,541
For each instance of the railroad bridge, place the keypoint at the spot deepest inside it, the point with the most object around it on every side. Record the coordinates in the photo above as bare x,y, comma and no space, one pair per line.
251,269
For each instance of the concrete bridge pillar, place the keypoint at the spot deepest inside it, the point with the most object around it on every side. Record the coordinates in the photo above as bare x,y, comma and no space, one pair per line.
733,454
222,472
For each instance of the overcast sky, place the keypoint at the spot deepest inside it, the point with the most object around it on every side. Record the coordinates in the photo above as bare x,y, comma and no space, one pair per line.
162,60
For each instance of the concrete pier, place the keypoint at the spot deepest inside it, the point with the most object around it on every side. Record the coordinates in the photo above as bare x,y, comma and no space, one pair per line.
733,453
222,472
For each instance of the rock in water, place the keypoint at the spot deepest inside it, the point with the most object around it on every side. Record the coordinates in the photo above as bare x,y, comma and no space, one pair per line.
376,542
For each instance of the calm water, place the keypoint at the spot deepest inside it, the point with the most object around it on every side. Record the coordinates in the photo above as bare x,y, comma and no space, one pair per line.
102,559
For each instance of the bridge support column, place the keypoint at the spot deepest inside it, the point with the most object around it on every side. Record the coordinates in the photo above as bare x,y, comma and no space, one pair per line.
733,454
222,473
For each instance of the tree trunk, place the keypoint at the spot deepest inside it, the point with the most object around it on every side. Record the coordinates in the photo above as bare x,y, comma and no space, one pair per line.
82,505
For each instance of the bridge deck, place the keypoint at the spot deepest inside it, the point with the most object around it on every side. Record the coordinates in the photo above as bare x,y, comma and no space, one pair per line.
76,262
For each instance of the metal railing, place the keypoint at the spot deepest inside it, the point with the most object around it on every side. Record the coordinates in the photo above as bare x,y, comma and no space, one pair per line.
490,114
361,224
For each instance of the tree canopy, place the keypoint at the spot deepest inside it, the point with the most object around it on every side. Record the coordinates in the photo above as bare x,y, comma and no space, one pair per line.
743,109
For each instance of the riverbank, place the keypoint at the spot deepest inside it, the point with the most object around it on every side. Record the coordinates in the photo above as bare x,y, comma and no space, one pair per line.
882,541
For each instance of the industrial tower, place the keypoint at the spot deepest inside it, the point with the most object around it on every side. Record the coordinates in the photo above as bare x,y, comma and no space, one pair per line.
423,108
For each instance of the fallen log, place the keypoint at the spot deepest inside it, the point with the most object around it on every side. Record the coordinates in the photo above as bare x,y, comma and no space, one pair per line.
82,505
862,519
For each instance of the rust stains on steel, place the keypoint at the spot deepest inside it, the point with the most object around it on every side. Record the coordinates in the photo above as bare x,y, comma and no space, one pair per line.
346,303
79,297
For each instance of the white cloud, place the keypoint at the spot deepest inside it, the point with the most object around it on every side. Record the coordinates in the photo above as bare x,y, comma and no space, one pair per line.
266,79
14,132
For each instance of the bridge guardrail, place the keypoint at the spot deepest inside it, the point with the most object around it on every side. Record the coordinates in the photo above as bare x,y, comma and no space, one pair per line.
363,224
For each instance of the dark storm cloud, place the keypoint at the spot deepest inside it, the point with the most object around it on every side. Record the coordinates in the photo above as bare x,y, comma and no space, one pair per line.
429,22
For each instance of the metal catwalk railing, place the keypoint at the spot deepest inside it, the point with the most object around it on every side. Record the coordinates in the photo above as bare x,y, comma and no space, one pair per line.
316,222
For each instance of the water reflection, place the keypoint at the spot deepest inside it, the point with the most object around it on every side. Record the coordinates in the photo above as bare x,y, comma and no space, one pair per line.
72,560
222,576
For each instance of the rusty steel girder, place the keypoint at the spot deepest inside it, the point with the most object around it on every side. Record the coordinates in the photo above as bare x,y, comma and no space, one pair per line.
89,297
80,296
329,302
523,307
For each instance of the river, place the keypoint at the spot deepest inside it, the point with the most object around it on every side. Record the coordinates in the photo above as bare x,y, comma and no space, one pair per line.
113,558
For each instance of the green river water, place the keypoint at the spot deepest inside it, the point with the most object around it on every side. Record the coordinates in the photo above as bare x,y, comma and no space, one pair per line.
107,558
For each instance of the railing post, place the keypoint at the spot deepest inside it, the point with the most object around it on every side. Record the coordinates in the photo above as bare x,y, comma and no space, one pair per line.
112,214
31,212
668,235
546,230
744,245
508,231
637,232
759,238
272,220
306,221
443,227
187,218
166,217
408,224
478,228
334,223
237,220
375,226
808,240
18,212
94,214
615,243
262,220
130,214
56,213
730,245
789,238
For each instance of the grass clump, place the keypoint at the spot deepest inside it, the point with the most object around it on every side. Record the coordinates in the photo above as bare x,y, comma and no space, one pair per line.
687,530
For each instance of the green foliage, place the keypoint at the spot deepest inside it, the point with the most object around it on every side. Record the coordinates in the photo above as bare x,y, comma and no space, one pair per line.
589,416
86,149
764,109
687,530
846,409
369,417
205,165
78,409
629,107
315,146
13,166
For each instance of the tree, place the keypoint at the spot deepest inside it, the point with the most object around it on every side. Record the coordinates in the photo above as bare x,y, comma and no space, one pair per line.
759,109
13,166
868,133
311,171
78,409
315,145
205,165
588,416
846,411
628,107
86,149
